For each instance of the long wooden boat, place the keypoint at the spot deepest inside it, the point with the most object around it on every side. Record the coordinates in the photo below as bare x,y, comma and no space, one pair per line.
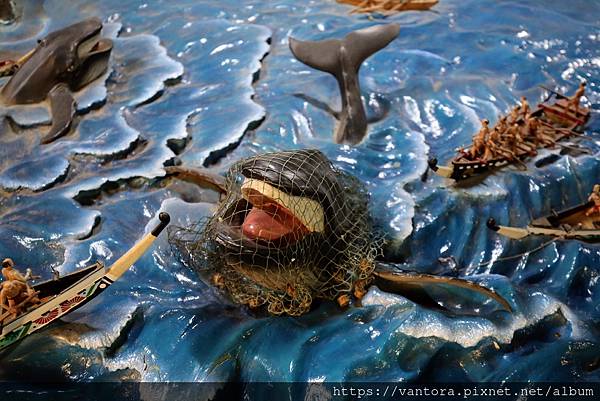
571,223
69,292
366,6
554,115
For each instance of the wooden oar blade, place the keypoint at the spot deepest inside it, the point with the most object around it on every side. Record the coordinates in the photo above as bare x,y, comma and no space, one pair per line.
122,264
510,232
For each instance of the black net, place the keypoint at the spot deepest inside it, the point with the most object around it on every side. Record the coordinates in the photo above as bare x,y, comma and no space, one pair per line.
291,228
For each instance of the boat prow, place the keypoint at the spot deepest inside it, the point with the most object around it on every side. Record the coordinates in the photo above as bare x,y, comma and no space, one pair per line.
63,295
442,171
572,223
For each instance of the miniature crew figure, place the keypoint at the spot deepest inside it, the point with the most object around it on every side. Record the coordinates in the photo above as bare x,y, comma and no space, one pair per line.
479,140
515,114
484,132
524,108
492,144
594,197
15,294
514,139
576,98
502,125
10,273
536,133
477,148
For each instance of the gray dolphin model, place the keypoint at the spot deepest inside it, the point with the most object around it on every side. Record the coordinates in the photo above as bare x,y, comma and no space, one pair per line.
64,61
343,58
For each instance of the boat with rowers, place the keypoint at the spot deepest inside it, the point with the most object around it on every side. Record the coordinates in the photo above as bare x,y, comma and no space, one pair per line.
389,6
57,297
518,136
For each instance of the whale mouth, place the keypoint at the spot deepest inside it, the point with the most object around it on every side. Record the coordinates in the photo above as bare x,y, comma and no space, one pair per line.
94,53
269,214
93,45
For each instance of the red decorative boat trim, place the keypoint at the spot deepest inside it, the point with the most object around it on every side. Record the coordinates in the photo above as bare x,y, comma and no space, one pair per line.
65,306
47,317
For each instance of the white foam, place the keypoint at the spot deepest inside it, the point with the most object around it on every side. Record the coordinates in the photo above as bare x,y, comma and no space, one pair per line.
466,330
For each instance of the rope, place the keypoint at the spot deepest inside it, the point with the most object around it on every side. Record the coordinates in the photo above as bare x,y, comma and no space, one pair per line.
520,255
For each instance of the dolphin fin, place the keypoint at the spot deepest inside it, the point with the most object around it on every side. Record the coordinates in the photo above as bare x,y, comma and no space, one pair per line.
412,286
62,106
343,58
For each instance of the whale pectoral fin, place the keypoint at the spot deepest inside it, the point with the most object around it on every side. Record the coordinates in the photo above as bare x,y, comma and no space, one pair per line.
413,286
62,106
202,178
363,43
322,55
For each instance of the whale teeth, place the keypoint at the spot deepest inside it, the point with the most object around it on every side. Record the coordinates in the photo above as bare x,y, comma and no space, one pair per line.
308,211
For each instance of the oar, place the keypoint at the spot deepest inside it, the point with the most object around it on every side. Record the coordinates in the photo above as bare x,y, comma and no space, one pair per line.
510,232
130,257
578,148
558,94
515,157
10,67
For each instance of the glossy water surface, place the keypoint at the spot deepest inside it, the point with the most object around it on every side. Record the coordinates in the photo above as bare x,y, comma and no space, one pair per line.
212,82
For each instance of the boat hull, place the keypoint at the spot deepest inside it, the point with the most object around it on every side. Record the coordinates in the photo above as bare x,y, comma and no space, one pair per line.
63,295
53,310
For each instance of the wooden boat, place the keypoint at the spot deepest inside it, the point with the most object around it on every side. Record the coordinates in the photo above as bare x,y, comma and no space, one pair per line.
554,116
368,6
569,224
67,293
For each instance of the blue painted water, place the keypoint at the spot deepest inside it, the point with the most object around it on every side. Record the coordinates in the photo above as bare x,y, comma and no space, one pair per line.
212,82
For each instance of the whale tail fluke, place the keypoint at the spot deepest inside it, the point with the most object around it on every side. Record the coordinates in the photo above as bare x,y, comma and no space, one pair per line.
342,58
325,55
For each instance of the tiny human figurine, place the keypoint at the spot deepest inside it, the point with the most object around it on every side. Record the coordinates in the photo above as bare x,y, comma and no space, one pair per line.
10,273
15,294
535,133
485,129
514,139
576,98
492,144
524,108
477,148
594,197
515,114
479,140
502,124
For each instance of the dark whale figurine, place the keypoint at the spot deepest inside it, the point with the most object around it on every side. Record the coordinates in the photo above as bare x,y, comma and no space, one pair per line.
66,60
290,228
343,58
